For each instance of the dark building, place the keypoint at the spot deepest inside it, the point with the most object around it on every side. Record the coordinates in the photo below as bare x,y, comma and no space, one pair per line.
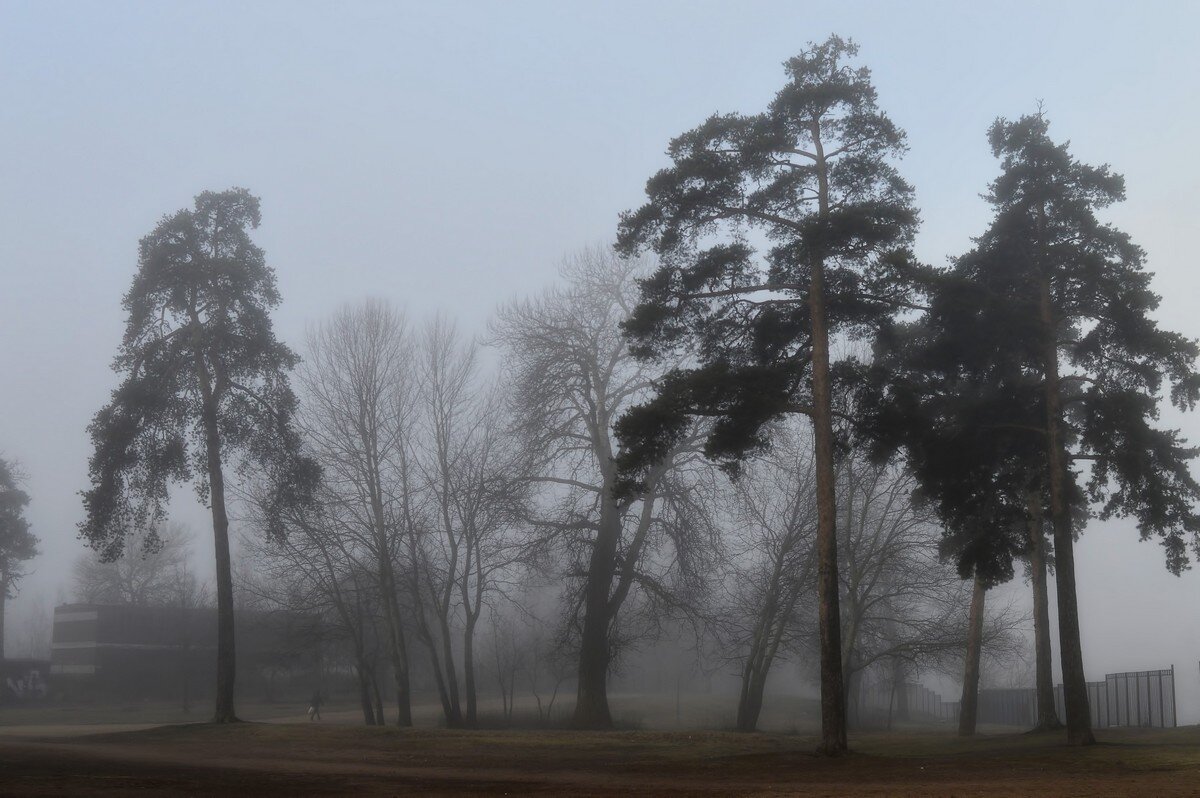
153,652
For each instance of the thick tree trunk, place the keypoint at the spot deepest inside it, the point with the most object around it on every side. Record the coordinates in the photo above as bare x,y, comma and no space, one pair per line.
398,651
833,704
833,698
1079,723
226,654
400,672
591,702
364,693
969,707
1047,715
3,601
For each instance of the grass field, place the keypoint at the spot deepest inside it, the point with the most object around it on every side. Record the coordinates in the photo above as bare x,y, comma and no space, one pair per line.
289,757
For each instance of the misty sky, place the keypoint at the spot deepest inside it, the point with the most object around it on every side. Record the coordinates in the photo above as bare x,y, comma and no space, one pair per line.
446,155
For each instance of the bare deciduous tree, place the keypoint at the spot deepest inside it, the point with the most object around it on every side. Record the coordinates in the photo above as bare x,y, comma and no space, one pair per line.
358,419
145,573
472,478
316,570
902,607
574,377
769,587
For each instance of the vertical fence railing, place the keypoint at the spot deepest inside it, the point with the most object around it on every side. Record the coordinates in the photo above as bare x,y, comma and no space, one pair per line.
915,699
1132,699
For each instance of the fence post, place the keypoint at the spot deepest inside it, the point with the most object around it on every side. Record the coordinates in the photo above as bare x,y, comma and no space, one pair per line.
1162,718
1137,680
1126,680
1109,701
1174,710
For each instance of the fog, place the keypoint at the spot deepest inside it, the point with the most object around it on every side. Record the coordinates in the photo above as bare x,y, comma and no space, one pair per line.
446,158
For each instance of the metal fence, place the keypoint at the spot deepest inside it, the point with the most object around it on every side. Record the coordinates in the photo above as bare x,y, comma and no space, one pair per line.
1135,698
1007,707
907,700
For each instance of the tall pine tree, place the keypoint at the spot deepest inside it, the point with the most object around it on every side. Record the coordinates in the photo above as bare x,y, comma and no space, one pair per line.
970,430
205,383
811,179
1047,320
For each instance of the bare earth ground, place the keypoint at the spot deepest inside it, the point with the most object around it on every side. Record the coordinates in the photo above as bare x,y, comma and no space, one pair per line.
277,759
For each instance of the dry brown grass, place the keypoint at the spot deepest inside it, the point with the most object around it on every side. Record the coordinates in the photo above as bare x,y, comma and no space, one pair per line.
322,759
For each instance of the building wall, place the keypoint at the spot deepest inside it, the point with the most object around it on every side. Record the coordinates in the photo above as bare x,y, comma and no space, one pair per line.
132,652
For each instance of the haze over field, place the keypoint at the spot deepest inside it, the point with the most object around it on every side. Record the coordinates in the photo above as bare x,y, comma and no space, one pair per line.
446,157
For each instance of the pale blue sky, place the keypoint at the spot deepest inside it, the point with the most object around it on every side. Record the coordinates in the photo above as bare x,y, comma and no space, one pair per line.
446,155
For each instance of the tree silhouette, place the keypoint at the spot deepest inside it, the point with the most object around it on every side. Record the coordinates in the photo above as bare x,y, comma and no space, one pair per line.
1046,321
204,382
812,177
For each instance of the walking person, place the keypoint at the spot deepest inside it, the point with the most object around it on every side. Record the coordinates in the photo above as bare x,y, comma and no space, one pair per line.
314,708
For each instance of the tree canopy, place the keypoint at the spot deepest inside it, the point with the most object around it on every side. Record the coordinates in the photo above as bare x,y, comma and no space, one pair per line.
198,336
1047,260
1039,354
812,180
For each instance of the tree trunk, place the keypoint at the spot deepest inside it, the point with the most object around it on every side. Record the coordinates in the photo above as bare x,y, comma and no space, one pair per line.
1047,715
969,708
512,691
377,699
833,698
1079,723
226,654
591,702
423,632
387,581
397,646
454,718
3,601
469,672
364,693
833,704
438,678
754,680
